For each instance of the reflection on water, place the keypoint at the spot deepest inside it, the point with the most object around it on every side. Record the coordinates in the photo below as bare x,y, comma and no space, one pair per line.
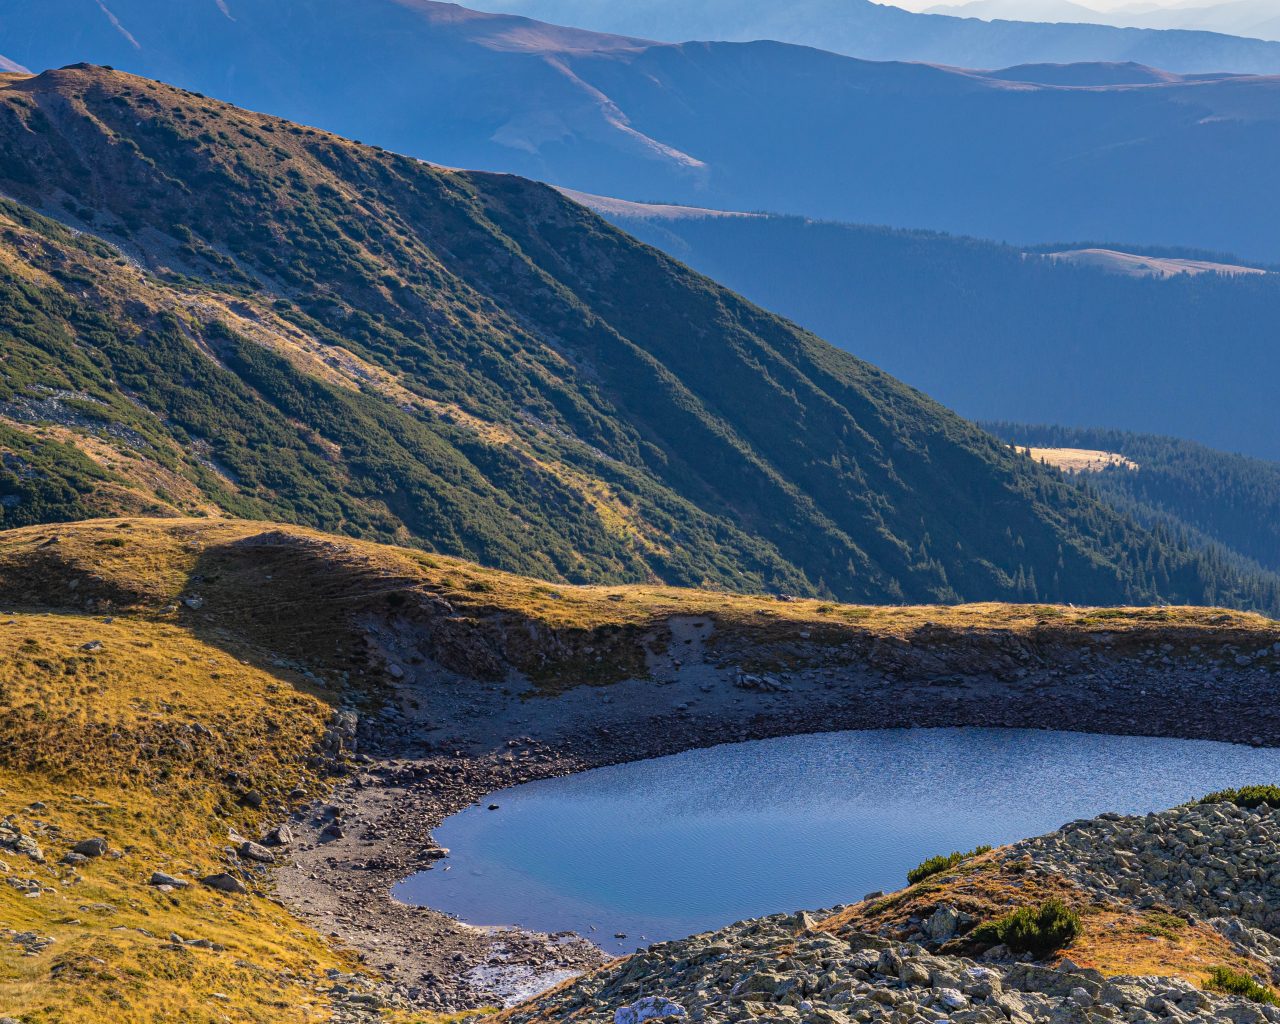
677,845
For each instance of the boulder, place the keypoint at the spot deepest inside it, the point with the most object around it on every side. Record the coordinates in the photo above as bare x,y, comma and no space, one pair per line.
943,923
281,835
90,847
160,878
253,851
648,1008
224,882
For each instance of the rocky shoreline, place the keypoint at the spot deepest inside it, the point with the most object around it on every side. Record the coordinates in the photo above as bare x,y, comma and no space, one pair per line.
440,741
1207,868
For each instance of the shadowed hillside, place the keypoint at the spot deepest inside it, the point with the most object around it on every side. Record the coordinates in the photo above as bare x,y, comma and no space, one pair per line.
1224,499
354,340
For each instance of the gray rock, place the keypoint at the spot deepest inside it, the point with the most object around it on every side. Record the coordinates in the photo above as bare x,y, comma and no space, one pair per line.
648,1008
224,882
90,847
952,998
943,923
160,878
281,835
253,851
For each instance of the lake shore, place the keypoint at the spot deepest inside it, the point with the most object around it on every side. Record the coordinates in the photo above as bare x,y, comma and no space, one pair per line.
444,741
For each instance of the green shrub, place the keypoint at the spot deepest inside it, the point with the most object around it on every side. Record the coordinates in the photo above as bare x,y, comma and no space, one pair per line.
1036,930
940,863
1245,796
1237,983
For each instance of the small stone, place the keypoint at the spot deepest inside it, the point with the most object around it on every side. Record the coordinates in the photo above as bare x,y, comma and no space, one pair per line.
281,835
1081,997
160,879
952,998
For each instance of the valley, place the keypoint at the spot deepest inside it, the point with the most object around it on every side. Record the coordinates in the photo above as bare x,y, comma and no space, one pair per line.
1005,332
431,595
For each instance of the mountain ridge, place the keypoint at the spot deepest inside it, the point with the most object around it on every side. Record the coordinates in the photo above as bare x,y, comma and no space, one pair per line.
714,124
861,28
477,363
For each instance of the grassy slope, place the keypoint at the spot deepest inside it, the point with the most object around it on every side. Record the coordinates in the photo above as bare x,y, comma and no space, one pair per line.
103,739
282,587
102,736
334,335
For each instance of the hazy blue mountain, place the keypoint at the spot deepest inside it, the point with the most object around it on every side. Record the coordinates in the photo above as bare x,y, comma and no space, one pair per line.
739,126
860,28
1259,19
999,334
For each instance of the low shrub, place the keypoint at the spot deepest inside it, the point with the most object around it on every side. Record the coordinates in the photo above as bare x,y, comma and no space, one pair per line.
1237,983
940,863
1246,796
1036,930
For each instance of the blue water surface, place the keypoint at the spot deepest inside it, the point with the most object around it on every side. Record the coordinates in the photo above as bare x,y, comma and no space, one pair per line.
669,847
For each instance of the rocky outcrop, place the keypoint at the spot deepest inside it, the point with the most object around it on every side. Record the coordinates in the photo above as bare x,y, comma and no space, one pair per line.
779,970
1212,864
1216,862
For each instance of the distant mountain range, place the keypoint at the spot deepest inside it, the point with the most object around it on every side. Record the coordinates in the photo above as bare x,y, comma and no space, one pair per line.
861,28
1172,160
219,312
1259,19
1161,341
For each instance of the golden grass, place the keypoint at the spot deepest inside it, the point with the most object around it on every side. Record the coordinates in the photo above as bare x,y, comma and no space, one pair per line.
150,561
299,594
1114,942
97,737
